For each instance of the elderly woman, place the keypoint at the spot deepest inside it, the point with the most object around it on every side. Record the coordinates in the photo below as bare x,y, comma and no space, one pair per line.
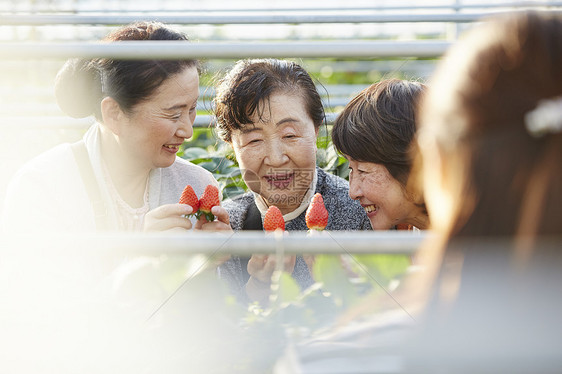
375,132
124,174
270,112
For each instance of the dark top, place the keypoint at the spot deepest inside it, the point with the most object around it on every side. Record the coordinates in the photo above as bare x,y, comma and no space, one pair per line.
344,214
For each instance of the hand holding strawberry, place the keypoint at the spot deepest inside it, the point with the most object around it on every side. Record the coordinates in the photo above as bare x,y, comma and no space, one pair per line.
203,206
316,214
189,197
273,219
209,199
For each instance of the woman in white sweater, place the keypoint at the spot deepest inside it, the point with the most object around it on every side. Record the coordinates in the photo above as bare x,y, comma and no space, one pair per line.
124,174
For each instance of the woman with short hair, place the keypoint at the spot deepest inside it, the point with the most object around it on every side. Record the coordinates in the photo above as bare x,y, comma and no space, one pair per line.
375,133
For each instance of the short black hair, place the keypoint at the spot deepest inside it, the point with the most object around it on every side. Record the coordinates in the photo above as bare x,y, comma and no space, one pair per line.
251,82
379,124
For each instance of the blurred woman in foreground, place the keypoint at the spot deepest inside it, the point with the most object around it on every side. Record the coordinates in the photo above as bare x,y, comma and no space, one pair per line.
491,144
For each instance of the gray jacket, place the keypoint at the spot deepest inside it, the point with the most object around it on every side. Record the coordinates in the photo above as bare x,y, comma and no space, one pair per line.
344,214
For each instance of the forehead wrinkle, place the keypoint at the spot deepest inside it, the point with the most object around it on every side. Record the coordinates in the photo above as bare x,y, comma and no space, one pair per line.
286,120
246,129
180,106
174,107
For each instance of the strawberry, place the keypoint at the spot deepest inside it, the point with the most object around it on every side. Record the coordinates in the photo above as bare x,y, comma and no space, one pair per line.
189,197
273,219
316,214
209,199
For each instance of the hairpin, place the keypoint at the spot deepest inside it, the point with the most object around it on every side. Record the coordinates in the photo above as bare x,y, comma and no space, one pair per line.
546,118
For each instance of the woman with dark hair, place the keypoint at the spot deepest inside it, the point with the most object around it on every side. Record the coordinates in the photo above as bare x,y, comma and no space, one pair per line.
124,174
270,112
375,133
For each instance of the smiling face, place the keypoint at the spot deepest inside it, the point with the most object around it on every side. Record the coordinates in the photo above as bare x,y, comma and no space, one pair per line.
277,153
383,197
152,134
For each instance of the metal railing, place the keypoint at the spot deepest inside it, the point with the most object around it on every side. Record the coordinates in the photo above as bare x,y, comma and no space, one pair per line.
255,17
235,19
62,122
41,8
333,96
239,243
224,50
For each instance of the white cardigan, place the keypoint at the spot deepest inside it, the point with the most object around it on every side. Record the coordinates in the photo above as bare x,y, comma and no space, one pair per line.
47,194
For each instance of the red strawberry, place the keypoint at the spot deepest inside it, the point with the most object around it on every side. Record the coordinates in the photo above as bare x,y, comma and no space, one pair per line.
209,199
189,197
316,214
273,219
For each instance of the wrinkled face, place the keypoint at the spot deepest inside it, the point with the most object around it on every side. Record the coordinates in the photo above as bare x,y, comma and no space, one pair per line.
382,196
154,131
277,152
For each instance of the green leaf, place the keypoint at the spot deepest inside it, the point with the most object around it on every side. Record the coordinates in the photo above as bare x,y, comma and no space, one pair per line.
329,271
225,165
381,268
289,290
209,165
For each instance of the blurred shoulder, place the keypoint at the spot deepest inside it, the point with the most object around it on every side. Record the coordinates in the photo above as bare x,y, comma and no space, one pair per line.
51,166
55,158
182,165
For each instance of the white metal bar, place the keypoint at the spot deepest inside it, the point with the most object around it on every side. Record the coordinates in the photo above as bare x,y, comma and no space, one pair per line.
414,6
240,243
52,109
224,50
206,92
250,18
61,122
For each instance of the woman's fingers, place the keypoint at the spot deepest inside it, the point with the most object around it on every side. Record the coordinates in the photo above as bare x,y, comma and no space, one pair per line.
221,214
167,217
222,221
262,266
170,210
168,223
170,216
257,268
213,226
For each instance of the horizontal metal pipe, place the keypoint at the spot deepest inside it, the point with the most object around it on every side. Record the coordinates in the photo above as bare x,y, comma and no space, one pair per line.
206,93
410,7
57,122
266,17
239,243
224,50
